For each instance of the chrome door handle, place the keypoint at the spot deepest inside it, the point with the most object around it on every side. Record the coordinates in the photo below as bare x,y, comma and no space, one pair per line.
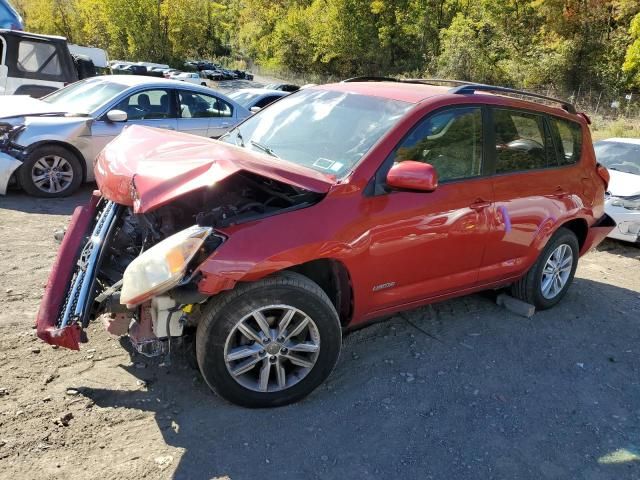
479,204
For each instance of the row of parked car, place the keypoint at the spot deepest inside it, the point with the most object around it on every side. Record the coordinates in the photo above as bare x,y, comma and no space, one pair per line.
193,70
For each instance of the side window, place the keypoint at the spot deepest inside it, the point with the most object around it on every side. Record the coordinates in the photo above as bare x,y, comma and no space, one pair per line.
147,105
451,141
570,140
263,102
199,105
522,141
38,57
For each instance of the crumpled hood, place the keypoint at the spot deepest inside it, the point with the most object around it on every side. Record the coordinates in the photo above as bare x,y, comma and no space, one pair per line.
25,106
622,184
148,167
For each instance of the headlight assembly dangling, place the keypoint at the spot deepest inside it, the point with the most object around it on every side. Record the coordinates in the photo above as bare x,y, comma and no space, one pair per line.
162,266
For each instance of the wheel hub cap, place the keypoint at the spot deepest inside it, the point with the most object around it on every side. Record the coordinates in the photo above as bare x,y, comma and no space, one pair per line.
272,348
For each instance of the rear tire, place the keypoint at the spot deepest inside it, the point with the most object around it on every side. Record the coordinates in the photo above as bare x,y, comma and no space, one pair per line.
63,165
549,278
252,356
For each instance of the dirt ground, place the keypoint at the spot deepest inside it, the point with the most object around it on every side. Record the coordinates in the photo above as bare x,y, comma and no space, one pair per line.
460,389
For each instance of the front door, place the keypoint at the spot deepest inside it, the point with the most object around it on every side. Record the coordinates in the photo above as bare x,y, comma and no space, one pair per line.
422,245
151,108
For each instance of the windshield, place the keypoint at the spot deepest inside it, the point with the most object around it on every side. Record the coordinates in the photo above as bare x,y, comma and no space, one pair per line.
85,96
620,156
324,130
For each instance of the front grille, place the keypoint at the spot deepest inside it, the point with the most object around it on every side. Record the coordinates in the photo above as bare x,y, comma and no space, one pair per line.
79,296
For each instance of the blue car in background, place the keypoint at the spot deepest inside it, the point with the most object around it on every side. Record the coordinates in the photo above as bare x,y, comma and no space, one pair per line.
9,18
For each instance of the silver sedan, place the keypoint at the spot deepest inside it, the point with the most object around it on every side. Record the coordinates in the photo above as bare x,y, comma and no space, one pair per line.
47,146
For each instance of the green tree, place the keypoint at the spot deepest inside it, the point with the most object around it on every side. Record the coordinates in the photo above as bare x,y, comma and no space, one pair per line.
631,64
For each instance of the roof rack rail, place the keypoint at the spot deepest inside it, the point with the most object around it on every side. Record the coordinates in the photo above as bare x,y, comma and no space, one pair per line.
471,88
437,81
370,79
426,81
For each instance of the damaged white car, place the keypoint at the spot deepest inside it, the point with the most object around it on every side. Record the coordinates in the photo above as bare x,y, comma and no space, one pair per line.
621,156
48,146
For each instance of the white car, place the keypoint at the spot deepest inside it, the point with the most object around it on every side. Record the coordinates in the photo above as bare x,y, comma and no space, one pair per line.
48,146
190,77
621,156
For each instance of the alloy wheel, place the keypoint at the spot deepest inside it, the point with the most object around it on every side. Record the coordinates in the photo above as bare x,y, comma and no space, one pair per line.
52,174
272,348
556,271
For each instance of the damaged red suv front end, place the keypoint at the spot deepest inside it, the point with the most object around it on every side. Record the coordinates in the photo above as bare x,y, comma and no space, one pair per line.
104,236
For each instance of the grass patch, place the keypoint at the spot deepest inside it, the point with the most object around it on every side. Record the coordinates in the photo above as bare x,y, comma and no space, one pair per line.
602,128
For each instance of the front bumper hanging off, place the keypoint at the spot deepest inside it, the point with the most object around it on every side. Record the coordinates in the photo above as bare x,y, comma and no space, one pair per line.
70,289
8,165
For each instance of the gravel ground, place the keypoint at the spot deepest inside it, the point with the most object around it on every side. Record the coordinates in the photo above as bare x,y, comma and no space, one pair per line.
460,389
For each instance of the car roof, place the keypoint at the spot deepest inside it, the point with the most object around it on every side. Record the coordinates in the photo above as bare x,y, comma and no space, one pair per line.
633,141
417,92
404,92
261,91
135,80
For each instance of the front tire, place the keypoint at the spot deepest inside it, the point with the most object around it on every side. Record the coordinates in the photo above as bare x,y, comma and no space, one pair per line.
549,278
50,171
268,343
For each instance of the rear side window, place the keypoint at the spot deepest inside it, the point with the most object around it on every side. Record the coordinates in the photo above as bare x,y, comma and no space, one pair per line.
38,57
451,141
569,136
199,105
522,141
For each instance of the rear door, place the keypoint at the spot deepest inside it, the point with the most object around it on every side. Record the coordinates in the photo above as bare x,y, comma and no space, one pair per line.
203,114
425,244
531,191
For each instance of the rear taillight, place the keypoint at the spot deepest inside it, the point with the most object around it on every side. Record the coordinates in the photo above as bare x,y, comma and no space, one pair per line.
603,173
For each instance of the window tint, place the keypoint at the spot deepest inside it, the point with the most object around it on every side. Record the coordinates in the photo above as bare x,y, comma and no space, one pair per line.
199,105
147,105
570,140
263,102
522,141
451,141
38,57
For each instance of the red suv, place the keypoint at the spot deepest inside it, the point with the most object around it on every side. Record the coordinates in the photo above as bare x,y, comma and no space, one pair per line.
332,207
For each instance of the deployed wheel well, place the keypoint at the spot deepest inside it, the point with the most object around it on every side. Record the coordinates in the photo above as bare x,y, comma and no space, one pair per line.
580,228
333,277
67,146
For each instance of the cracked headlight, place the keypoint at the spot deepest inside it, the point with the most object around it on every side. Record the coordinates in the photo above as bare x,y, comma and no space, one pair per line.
630,203
162,266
